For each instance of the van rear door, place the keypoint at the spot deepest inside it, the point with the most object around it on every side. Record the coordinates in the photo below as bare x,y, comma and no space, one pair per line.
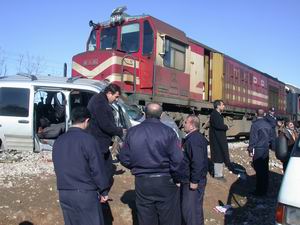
16,113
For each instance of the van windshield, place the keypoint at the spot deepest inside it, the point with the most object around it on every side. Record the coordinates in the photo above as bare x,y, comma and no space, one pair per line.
133,112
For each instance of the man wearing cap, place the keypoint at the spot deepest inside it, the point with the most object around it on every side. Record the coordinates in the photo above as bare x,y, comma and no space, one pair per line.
271,118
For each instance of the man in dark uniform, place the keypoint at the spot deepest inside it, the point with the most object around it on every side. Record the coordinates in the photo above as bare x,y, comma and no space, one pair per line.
261,137
194,169
80,172
272,120
218,140
152,151
102,125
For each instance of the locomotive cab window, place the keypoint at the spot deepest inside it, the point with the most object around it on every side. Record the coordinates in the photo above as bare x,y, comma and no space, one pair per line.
108,38
130,37
91,46
148,39
174,55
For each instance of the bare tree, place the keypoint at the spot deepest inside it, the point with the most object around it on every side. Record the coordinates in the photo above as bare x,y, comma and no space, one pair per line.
39,64
3,65
20,63
32,65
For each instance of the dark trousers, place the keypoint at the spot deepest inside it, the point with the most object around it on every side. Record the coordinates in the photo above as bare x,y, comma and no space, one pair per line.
261,167
80,207
108,164
157,201
192,204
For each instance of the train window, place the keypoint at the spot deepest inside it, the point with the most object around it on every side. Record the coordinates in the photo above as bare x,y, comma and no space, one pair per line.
130,37
148,38
108,39
91,46
174,55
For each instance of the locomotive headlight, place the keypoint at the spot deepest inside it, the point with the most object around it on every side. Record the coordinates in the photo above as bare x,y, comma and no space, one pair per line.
116,19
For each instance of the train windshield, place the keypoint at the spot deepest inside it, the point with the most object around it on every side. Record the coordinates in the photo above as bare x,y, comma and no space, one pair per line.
91,46
108,38
130,37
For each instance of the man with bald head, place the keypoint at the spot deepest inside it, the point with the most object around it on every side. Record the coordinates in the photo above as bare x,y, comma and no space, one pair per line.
261,137
152,152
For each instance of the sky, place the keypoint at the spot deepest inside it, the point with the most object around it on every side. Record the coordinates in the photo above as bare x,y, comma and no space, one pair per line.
264,34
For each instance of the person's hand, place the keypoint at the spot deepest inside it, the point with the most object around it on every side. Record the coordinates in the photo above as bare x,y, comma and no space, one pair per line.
178,184
193,186
103,199
251,152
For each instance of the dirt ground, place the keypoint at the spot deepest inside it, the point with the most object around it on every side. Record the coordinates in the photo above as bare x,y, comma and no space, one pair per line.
33,199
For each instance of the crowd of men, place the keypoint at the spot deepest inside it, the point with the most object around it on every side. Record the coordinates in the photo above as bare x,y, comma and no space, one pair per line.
170,176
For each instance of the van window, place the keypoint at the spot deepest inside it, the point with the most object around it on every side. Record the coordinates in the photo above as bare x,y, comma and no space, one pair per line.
14,102
80,98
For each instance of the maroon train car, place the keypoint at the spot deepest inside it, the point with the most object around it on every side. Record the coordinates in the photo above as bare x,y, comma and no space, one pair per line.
154,61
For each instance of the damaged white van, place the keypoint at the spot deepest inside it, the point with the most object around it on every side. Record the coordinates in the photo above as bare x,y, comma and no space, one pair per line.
34,111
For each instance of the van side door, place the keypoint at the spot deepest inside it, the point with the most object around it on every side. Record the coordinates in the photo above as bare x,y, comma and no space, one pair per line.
16,116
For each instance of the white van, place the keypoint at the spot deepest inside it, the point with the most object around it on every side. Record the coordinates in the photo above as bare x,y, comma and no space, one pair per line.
288,207
35,110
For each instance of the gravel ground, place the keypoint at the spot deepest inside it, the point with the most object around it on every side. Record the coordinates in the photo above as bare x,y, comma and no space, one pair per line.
28,192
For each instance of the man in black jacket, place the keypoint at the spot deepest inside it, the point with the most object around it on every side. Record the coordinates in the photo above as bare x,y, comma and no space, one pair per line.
218,140
80,172
152,151
261,138
102,125
194,169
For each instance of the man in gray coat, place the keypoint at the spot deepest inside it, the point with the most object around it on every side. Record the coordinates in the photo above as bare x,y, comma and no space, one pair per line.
218,141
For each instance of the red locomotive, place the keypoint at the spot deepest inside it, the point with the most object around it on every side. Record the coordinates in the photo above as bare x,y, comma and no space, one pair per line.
154,61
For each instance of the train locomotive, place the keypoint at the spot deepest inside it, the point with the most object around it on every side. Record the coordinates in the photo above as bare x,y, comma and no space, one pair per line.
154,61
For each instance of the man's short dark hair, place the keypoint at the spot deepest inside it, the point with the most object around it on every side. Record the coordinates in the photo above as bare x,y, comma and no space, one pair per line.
113,88
217,103
260,112
153,110
80,114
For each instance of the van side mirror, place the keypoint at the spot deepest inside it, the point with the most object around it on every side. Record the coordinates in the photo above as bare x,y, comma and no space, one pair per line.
281,147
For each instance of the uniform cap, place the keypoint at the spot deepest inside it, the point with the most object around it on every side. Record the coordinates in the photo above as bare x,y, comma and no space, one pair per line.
272,109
